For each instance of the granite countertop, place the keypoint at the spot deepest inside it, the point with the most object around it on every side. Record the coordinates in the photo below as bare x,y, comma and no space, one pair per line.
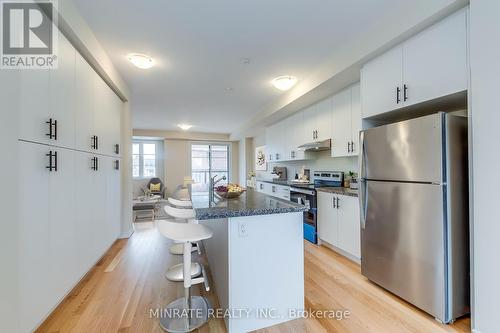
248,204
339,190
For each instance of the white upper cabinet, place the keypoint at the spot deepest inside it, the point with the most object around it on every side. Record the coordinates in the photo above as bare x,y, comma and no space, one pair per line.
430,65
341,126
355,118
381,81
323,119
294,136
318,121
34,105
46,100
309,127
62,95
98,119
346,122
435,61
85,99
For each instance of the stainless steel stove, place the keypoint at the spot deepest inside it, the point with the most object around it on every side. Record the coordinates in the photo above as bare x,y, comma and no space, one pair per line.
305,194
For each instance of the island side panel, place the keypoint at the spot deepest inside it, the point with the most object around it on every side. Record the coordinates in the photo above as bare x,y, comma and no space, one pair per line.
266,268
216,249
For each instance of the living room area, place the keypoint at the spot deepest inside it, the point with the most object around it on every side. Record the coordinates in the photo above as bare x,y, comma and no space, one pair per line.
165,163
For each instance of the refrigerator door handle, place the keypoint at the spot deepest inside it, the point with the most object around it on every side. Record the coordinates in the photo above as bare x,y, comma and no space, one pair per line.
362,155
362,190
362,202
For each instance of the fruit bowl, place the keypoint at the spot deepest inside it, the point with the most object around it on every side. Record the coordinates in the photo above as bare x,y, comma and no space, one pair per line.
230,191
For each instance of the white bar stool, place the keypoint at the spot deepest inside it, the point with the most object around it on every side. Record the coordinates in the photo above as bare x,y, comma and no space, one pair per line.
196,307
185,214
180,203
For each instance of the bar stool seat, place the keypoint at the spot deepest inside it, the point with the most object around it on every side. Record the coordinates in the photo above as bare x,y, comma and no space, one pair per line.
180,203
186,214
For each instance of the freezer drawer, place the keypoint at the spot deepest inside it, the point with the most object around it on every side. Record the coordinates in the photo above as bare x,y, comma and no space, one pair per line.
403,242
410,150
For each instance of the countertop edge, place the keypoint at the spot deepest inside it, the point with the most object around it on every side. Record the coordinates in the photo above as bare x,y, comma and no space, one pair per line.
339,190
222,213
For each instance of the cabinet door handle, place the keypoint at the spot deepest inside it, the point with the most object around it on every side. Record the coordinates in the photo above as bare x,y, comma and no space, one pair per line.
398,91
52,161
338,206
117,149
52,129
95,163
348,147
95,142
49,155
117,165
405,92
333,202
55,161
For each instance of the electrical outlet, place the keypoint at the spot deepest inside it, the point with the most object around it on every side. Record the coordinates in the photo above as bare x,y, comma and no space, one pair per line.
242,229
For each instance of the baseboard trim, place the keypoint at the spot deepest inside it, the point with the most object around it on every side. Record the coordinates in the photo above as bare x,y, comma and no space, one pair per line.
475,330
341,252
126,234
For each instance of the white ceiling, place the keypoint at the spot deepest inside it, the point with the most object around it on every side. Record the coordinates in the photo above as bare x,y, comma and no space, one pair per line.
199,48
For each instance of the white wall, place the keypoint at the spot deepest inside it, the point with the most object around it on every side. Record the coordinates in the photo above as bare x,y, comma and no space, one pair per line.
126,171
484,108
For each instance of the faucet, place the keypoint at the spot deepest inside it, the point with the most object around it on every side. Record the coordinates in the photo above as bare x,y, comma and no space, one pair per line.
211,186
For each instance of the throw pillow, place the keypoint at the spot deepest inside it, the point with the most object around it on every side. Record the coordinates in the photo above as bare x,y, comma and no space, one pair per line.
155,187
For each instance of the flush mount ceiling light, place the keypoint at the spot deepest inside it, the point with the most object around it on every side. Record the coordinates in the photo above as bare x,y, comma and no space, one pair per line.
284,83
141,61
184,127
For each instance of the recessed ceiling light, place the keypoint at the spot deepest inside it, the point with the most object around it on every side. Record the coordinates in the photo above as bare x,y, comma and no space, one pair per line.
184,127
141,61
284,82
228,89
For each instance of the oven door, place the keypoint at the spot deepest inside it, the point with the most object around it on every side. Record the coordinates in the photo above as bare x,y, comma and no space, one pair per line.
308,199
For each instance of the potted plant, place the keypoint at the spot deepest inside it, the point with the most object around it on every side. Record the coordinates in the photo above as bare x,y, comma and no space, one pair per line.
354,180
349,179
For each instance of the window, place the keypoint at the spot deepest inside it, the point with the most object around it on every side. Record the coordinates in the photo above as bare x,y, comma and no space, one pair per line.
144,159
207,161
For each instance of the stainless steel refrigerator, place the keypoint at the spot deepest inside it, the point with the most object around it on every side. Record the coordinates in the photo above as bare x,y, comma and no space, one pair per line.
414,212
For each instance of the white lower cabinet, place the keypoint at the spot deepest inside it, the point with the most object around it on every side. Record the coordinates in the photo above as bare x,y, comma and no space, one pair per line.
68,218
280,191
338,222
275,190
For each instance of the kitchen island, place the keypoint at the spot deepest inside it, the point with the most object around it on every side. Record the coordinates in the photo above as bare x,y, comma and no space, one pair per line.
256,258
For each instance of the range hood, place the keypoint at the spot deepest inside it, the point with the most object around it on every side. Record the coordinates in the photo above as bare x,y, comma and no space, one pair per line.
316,146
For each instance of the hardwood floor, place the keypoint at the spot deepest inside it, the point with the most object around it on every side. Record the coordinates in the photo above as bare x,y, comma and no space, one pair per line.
118,294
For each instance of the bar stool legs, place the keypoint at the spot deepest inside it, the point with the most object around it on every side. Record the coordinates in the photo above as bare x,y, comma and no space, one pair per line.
189,312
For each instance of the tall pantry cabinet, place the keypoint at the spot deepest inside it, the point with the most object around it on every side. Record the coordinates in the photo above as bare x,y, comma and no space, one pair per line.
68,179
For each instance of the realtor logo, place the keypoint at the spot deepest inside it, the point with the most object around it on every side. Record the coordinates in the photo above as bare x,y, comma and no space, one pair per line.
28,34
